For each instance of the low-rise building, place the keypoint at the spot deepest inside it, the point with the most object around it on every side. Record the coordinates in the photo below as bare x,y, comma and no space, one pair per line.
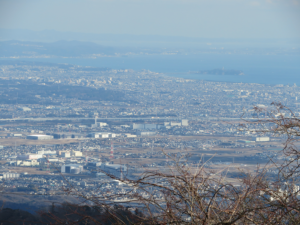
39,137
261,139
72,168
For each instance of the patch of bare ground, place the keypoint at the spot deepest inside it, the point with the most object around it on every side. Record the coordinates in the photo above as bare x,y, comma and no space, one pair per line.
19,141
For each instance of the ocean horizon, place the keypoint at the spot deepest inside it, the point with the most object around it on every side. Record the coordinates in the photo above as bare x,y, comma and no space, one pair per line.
263,69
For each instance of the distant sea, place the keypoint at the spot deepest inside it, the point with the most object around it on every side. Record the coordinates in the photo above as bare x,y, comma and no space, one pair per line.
264,69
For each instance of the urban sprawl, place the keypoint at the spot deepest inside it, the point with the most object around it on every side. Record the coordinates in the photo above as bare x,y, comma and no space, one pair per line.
64,125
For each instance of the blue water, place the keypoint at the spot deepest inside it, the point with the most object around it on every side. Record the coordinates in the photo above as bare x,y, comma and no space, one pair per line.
266,69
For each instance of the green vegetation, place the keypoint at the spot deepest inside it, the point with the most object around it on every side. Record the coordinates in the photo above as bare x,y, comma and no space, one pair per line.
29,92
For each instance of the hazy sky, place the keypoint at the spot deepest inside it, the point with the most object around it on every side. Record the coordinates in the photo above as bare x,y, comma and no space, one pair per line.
191,18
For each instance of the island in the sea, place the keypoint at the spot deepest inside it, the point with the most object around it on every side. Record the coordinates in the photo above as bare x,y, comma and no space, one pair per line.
219,72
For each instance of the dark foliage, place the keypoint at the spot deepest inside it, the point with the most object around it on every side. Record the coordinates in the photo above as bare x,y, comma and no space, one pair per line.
71,214
91,215
16,216
25,92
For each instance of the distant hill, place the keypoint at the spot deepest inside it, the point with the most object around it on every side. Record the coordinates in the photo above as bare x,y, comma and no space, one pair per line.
54,49
219,72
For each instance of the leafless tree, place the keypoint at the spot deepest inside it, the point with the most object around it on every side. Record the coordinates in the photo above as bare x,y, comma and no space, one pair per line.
196,195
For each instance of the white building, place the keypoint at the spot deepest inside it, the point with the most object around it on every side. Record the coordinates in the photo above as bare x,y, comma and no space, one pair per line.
25,109
147,126
28,162
172,124
130,135
76,153
8,175
138,126
29,156
175,124
112,135
65,154
100,124
184,122
46,152
102,135
258,139
72,168
145,133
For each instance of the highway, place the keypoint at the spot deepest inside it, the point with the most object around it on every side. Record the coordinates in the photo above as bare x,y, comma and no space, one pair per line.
122,118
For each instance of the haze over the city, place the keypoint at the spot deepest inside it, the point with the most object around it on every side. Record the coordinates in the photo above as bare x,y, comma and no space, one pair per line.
201,18
97,94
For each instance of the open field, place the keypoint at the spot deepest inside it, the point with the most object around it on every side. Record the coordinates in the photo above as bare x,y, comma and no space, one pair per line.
29,170
230,157
19,141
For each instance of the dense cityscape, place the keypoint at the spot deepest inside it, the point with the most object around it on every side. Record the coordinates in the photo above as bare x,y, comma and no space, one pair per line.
160,112
65,125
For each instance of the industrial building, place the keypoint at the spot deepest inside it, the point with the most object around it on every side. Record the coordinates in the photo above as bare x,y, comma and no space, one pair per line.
258,139
29,156
93,165
25,109
8,175
39,137
100,124
172,124
102,135
76,153
29,162
46,152
72,168
145,133
62,136
65,154
66,136
184,122
136,126
130,135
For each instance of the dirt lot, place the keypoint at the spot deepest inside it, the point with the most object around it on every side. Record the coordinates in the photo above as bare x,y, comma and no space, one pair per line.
19,141
29,170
